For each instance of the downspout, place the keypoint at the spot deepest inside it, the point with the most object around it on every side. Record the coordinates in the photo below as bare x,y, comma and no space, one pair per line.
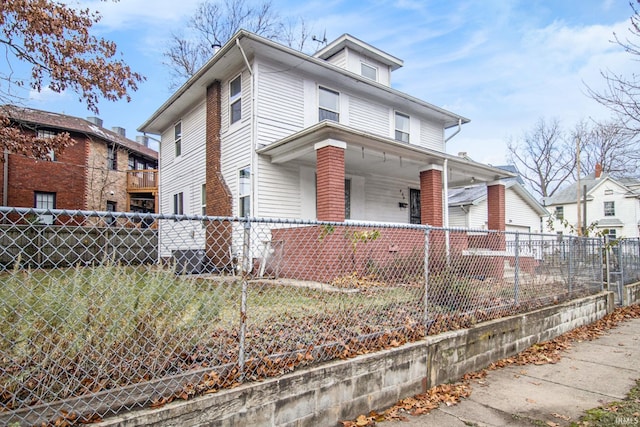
253,142
445,208
5,180
445,191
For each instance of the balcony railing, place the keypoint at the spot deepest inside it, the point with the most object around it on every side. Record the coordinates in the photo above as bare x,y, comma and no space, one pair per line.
145,180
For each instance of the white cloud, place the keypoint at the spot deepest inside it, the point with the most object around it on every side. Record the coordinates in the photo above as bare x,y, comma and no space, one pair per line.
46,95
163,14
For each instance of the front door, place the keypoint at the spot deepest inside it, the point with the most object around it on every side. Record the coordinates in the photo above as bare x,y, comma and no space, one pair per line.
414,206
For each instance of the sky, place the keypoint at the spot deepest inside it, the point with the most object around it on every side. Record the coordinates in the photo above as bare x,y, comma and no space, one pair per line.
501,63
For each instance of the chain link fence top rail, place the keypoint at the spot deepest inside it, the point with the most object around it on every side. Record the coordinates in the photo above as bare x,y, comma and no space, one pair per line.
104,312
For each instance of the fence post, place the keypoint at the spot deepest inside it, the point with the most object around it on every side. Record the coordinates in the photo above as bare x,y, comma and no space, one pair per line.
244,262
426,279
601,262
516,282
570,268
621,243
607,260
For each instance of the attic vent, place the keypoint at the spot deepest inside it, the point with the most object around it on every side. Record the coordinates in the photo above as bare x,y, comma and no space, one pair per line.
95,120
119,130
142,140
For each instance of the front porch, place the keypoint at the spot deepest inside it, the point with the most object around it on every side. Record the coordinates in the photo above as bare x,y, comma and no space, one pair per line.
353,175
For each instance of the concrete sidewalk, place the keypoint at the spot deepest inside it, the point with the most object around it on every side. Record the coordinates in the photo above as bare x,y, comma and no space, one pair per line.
589,375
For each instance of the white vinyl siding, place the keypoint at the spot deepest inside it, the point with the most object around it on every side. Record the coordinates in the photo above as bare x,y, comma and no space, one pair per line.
457,217
339,59
183,175
518,213
382,195
280,195
281,104
368,116
431,136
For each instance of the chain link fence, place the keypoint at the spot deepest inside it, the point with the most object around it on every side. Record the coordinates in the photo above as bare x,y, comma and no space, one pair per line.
105,312
623,264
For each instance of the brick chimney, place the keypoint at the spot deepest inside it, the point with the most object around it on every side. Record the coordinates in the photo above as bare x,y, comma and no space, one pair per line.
598,171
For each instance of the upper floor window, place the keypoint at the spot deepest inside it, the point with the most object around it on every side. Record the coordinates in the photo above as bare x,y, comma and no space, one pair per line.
369,71
112,158
45,134
244,192
235,99
177,138
402,127
560,212
609,209
328,104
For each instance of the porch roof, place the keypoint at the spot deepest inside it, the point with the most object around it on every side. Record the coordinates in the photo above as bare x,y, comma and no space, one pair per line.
367,153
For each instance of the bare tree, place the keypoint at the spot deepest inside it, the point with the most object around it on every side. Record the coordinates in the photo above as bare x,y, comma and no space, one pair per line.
611,145
215,22
545,157
54,40
622,93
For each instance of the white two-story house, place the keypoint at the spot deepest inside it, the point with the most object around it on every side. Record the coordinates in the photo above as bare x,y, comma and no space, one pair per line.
263,130
611,205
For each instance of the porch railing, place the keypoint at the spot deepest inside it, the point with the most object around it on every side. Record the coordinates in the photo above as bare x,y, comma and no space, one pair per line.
145,180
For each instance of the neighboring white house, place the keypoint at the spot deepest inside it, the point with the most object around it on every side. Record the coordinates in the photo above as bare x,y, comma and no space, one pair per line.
523,213
612,204
263,130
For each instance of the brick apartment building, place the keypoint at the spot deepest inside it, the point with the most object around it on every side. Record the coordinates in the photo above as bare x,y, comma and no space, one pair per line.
102,169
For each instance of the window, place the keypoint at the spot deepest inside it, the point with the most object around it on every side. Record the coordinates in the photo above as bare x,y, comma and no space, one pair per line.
112,158
611,234
46,134
111,207
347,198
329,104
177,138
609,209
369,71
560,212
244,192
203,199
235,99
415,216
178,204
402,127
45,200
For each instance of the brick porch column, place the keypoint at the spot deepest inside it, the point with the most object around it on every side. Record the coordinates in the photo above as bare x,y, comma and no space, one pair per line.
496,206
330,180
431,195
218,195
496,221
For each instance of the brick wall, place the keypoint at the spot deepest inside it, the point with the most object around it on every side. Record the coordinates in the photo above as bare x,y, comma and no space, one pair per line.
330,170
65,177
323,253
218,195
101,181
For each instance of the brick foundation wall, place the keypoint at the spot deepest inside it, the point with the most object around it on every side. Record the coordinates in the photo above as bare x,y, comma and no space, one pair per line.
218,195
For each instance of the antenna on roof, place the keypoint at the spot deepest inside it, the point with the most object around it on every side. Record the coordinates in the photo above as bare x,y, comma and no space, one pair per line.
320,41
